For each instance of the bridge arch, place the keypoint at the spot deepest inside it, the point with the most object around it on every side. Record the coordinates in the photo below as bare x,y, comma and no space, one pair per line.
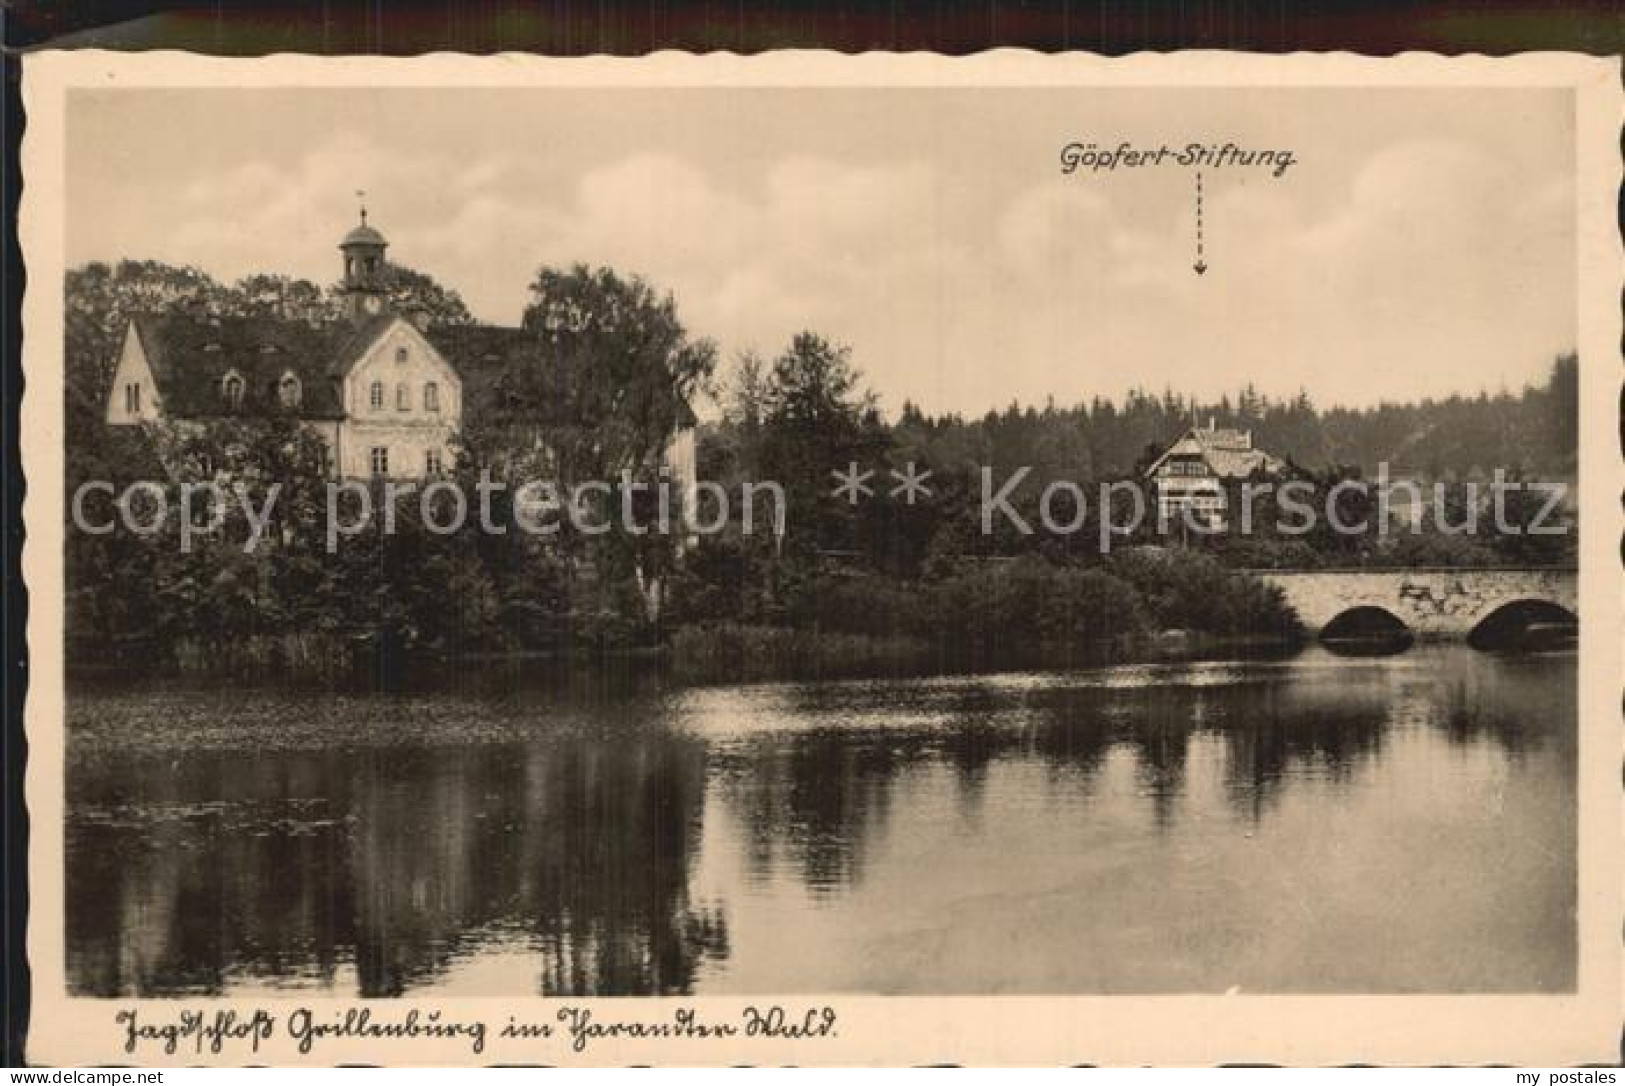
1367,629
1515,622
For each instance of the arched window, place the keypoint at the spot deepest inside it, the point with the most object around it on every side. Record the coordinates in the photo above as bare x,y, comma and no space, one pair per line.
231,390
401,355
403,397
431,397
376,396
288,390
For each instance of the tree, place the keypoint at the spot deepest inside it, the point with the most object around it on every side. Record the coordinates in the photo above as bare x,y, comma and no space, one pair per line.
279,296
608,373
730,449
817,419
99,300
599,386
410,290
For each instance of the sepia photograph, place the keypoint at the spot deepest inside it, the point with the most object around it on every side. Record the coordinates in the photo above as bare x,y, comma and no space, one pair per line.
803,541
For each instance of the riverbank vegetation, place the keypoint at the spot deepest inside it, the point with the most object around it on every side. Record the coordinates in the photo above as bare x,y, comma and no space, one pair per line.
1025,612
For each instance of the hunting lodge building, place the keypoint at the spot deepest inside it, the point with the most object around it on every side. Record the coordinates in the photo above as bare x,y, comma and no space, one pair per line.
384,390
1191,474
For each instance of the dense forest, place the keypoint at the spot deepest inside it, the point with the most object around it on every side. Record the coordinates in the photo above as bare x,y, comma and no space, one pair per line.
867,580
1530,432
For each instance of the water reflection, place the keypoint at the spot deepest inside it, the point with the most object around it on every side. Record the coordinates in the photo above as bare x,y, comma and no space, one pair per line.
212,867
1183,827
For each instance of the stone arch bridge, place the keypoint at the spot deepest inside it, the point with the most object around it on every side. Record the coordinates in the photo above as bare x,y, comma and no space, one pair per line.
1431,602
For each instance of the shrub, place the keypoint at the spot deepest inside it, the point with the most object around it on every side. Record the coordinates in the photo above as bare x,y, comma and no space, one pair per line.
861,603
1089,604
1189,590
1027,602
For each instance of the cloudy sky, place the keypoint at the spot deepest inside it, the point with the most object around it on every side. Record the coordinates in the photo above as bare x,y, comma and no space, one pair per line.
1423,245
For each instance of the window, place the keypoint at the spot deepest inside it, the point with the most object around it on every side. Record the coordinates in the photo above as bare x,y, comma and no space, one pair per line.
380,460
431,462
288,390
376,397
403,397
400,355
231,390
431,397
132,398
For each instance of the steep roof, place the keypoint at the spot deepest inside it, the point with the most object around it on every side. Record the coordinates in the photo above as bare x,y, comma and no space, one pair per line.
499,372
489,359
1229,453
350,340
1223,438
189,359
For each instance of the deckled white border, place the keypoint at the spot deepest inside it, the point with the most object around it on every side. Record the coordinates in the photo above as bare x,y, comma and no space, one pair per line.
905,1030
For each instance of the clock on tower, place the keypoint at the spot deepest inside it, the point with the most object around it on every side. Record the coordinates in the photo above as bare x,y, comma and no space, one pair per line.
364,270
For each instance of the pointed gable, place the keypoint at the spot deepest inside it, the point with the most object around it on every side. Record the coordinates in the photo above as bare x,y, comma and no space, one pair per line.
1228,453
133,396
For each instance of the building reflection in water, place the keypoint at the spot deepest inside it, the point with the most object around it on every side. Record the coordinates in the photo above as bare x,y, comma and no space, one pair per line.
398,860
511,842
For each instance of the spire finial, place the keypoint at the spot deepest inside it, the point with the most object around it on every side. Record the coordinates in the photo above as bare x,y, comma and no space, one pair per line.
361,195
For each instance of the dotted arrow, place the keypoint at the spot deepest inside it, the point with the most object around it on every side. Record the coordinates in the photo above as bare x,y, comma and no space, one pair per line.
1201,265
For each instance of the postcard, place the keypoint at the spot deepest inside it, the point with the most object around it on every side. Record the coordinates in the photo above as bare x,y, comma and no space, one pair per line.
826,560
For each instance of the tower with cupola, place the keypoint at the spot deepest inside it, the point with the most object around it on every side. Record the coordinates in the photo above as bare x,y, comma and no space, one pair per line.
365,290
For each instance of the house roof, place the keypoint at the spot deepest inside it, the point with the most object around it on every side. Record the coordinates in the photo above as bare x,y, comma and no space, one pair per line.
500,378
1223,438
190,357
491,362
1229,453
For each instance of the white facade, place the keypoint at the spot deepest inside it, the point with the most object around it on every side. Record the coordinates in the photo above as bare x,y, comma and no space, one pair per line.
399,403
1191,475
1185,481
403,403
134,398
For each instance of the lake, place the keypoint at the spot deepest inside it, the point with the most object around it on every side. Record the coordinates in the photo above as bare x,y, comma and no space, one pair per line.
1299,824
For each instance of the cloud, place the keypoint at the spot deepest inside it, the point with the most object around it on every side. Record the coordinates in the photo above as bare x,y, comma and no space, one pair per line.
1424,267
